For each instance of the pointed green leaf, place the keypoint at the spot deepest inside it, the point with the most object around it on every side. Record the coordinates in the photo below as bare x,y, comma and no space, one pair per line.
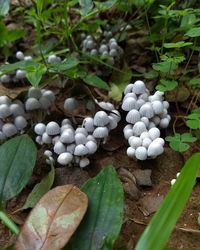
194,32
166,85
34,74
158,231
95,81
86,6
102,222
177,45
18,156
165,66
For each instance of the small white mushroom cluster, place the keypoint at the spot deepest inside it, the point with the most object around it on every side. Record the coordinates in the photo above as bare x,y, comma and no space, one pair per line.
13,118
145,113
105,45
74,146
174,180
19,74
53,59
39,100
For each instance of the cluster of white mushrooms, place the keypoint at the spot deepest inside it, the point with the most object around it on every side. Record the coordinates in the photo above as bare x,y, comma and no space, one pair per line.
19,75
145,114
14,114
73,146
105,45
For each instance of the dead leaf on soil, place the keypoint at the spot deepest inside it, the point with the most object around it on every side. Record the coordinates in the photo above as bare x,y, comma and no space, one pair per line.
54,219
149,204
12,92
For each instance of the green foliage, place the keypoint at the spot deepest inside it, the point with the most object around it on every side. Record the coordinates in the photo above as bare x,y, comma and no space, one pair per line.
18,156
194,32
193,120
86,6
165,66
94,81
39,190
179,142
195,82
158,231
166,85
102,222
176,45
4,7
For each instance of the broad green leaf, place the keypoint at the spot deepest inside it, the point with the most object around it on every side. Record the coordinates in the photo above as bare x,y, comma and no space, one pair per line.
102,223
193,120
166,85
103,6
4,7
6,68
39,5
195,82
53,220
39,190
188,21
158,231
194,32
180,142
177,45
18,156
95,81
152,74
34,74
165,66
68,63
86,6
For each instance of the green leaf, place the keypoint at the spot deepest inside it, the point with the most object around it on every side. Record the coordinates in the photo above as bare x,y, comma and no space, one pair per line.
103,6
195,82
95,81
68,63
188,21
86,6
165,66
18,156
194,32
101,225
166,85
177,45
6,68
193,120
4,7
158,231
39,5
34,74
39,190
179,142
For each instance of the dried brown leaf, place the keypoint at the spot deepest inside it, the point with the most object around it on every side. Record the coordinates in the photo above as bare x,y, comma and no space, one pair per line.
54,219
12,92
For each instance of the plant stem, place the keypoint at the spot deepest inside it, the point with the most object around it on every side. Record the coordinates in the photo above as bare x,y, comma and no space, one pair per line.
8,222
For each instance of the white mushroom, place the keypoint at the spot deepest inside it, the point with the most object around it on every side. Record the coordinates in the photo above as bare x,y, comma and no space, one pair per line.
155,149
101,119
154,133
52,128
71,104
67,136
91,146
46,138
40,128
84,162
34,92
138,128
141,153
65,158
164,123
88,124
80,138
100,132
32,104
130,152
128,88
146,142
49,94
81,150
135,141
129,104
16,109
133,116
9,129
5,100
157,107
59,148
146,110
20,122
4,111
20,74
20,55
138,87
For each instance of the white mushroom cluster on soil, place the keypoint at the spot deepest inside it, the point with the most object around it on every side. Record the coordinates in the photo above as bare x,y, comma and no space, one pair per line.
102,44
14,114
69,146
145,115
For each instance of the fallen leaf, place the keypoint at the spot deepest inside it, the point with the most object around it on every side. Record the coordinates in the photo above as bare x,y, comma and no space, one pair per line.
149,204
143,177
12,92
54,219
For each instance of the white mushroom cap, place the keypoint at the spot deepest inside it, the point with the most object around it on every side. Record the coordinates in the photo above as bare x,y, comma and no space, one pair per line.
129,104
53,59
138,128
158,96
59,148
20,122
157,107
20,55
67,136
100,132
82,131
38,139
91,138
145,120
52,128
65,127
151,125
173,181
5,79
144,97
80,138
164,123
88,124
139,87
28,58
20,74
141,153
133,95
140,103
156,120
55,139
91,146
65,122
154,133
71,104
5,100
135,141
128,88
81,150
16,109
113,52
160,140
34,92
166,104
101,119
130,152
32,104
64,158
45,102
116,115
146,142
144,135
133,116
84,162
4,111
40,128
49,95
112,123
46,138
9,129
155,149
70,148
128,133
146,110
106,105
48,153
50,160
103,48
2,136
